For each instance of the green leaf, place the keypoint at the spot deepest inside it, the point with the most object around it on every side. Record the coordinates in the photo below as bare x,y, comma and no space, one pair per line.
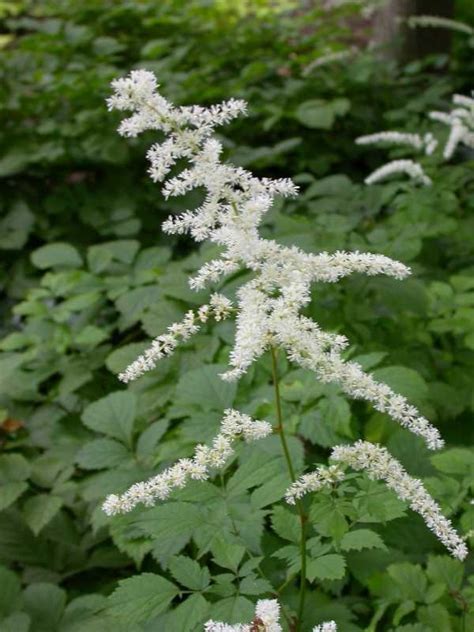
286,524
58,255
405,381
9,492
90,336
17,622
189,573
203,388
102,256
445,570
45,604
233,609
410,579
17,543
189,616
39,510
435,617
102,453
13,467
112,415
320,114
327,515
227,554
141,597
171,525
15,227
132,304
10,592
253,585
362,539
119,359
148,440
330,566
458,461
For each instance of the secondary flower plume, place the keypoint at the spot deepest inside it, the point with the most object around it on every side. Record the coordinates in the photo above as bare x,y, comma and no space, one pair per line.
461,123
380,465
234,425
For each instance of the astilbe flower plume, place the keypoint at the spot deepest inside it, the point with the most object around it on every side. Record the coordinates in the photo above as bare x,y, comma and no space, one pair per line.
268,306
461,123
266,619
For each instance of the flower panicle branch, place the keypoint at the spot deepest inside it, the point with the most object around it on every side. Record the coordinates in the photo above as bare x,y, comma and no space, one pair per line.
380,465
461,123
234,425
219,308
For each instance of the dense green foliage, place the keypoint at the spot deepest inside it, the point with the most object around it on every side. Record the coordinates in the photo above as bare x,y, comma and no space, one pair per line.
87,279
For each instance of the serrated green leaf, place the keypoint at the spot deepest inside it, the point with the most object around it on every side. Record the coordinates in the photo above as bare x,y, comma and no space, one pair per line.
171,526
189,573
141,597
9,492
113,415
203,388
233,609
189,615
361,539
253,585
330,566
101,454
328,516
227,554
445,570
410,579
286,524
39,510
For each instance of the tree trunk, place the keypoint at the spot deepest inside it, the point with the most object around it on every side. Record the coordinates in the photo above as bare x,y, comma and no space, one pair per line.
402,43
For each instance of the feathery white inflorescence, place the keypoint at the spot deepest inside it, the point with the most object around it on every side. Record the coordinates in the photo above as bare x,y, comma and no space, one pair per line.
267,619
329,626
461,123
380,465
407,167
435,21
426,143
234,425
219,308
320,478
268,309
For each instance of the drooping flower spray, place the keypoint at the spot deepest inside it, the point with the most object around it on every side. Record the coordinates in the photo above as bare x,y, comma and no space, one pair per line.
268,306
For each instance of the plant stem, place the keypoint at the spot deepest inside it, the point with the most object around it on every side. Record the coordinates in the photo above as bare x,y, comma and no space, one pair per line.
281,432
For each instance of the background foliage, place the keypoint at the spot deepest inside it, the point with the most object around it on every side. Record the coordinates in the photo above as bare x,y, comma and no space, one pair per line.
87,279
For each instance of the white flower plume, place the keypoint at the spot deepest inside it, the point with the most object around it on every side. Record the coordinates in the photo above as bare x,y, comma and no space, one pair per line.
268,310
380,465
461,123
329,626
266,619
234,425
